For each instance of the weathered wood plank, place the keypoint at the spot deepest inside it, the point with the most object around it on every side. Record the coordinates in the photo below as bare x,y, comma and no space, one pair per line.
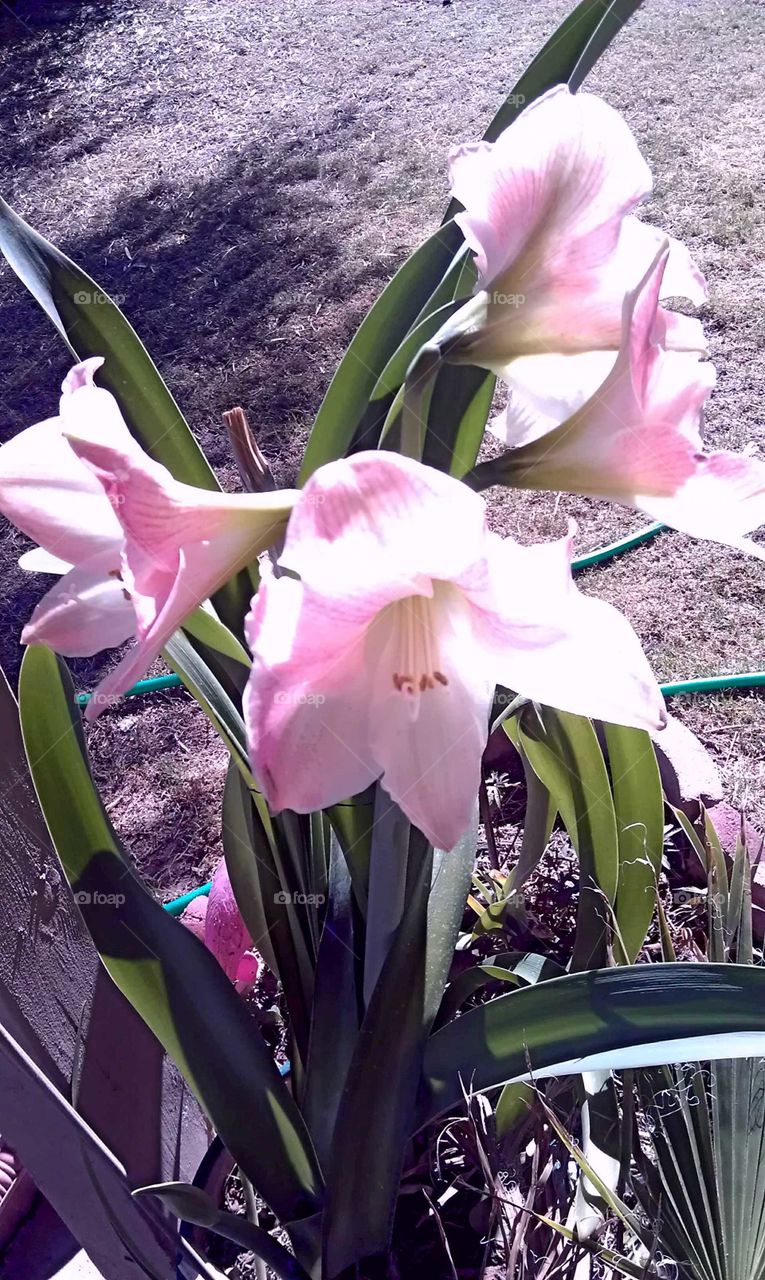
66,1017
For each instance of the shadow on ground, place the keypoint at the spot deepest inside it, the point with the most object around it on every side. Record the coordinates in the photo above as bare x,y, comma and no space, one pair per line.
216,276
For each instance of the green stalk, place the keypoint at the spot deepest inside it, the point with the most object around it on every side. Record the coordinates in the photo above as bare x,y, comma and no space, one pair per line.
387,886
418,388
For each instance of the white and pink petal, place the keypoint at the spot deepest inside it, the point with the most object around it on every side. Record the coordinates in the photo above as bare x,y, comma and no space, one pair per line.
548,641
306,705
545,202
375,522
428,734
47,492
86,611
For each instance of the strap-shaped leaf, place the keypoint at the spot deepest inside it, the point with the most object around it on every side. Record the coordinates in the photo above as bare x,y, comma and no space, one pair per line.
192,1204
266,899
514,967
168,975
634,1015
564,752
610,24
337,1007
538,819
375,1114
352,822
566,58
639,810
457,415
378,338
205,687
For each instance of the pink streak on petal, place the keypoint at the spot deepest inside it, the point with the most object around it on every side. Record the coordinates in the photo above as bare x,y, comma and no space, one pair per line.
567,167
544,207
722,499
159,514
638,438
157,619
377,518
181,545
429,743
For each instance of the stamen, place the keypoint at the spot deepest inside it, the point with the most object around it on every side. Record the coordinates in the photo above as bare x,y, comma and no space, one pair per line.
417,647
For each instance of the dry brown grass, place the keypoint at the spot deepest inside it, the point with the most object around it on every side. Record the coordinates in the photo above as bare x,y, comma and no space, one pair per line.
246,177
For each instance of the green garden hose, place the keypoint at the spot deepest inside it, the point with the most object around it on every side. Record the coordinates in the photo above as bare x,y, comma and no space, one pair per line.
152,685
155,683
705,684
176,907
616,548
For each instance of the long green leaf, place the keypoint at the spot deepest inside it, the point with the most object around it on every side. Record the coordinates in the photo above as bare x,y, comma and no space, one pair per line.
337,1007
635,1015
639,810
166,974
457,415
205,687
378,338
452,876
539,818
266,901
352,822
375,1113
563,750
567,57
610,24
376,1109
191,1204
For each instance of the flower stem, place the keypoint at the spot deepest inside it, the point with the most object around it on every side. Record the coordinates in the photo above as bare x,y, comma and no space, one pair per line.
387,886
418,389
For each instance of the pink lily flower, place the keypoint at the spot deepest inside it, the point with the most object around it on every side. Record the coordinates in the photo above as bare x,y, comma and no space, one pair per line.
138,550
547,212
57,502
181,544
637,439
377,656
